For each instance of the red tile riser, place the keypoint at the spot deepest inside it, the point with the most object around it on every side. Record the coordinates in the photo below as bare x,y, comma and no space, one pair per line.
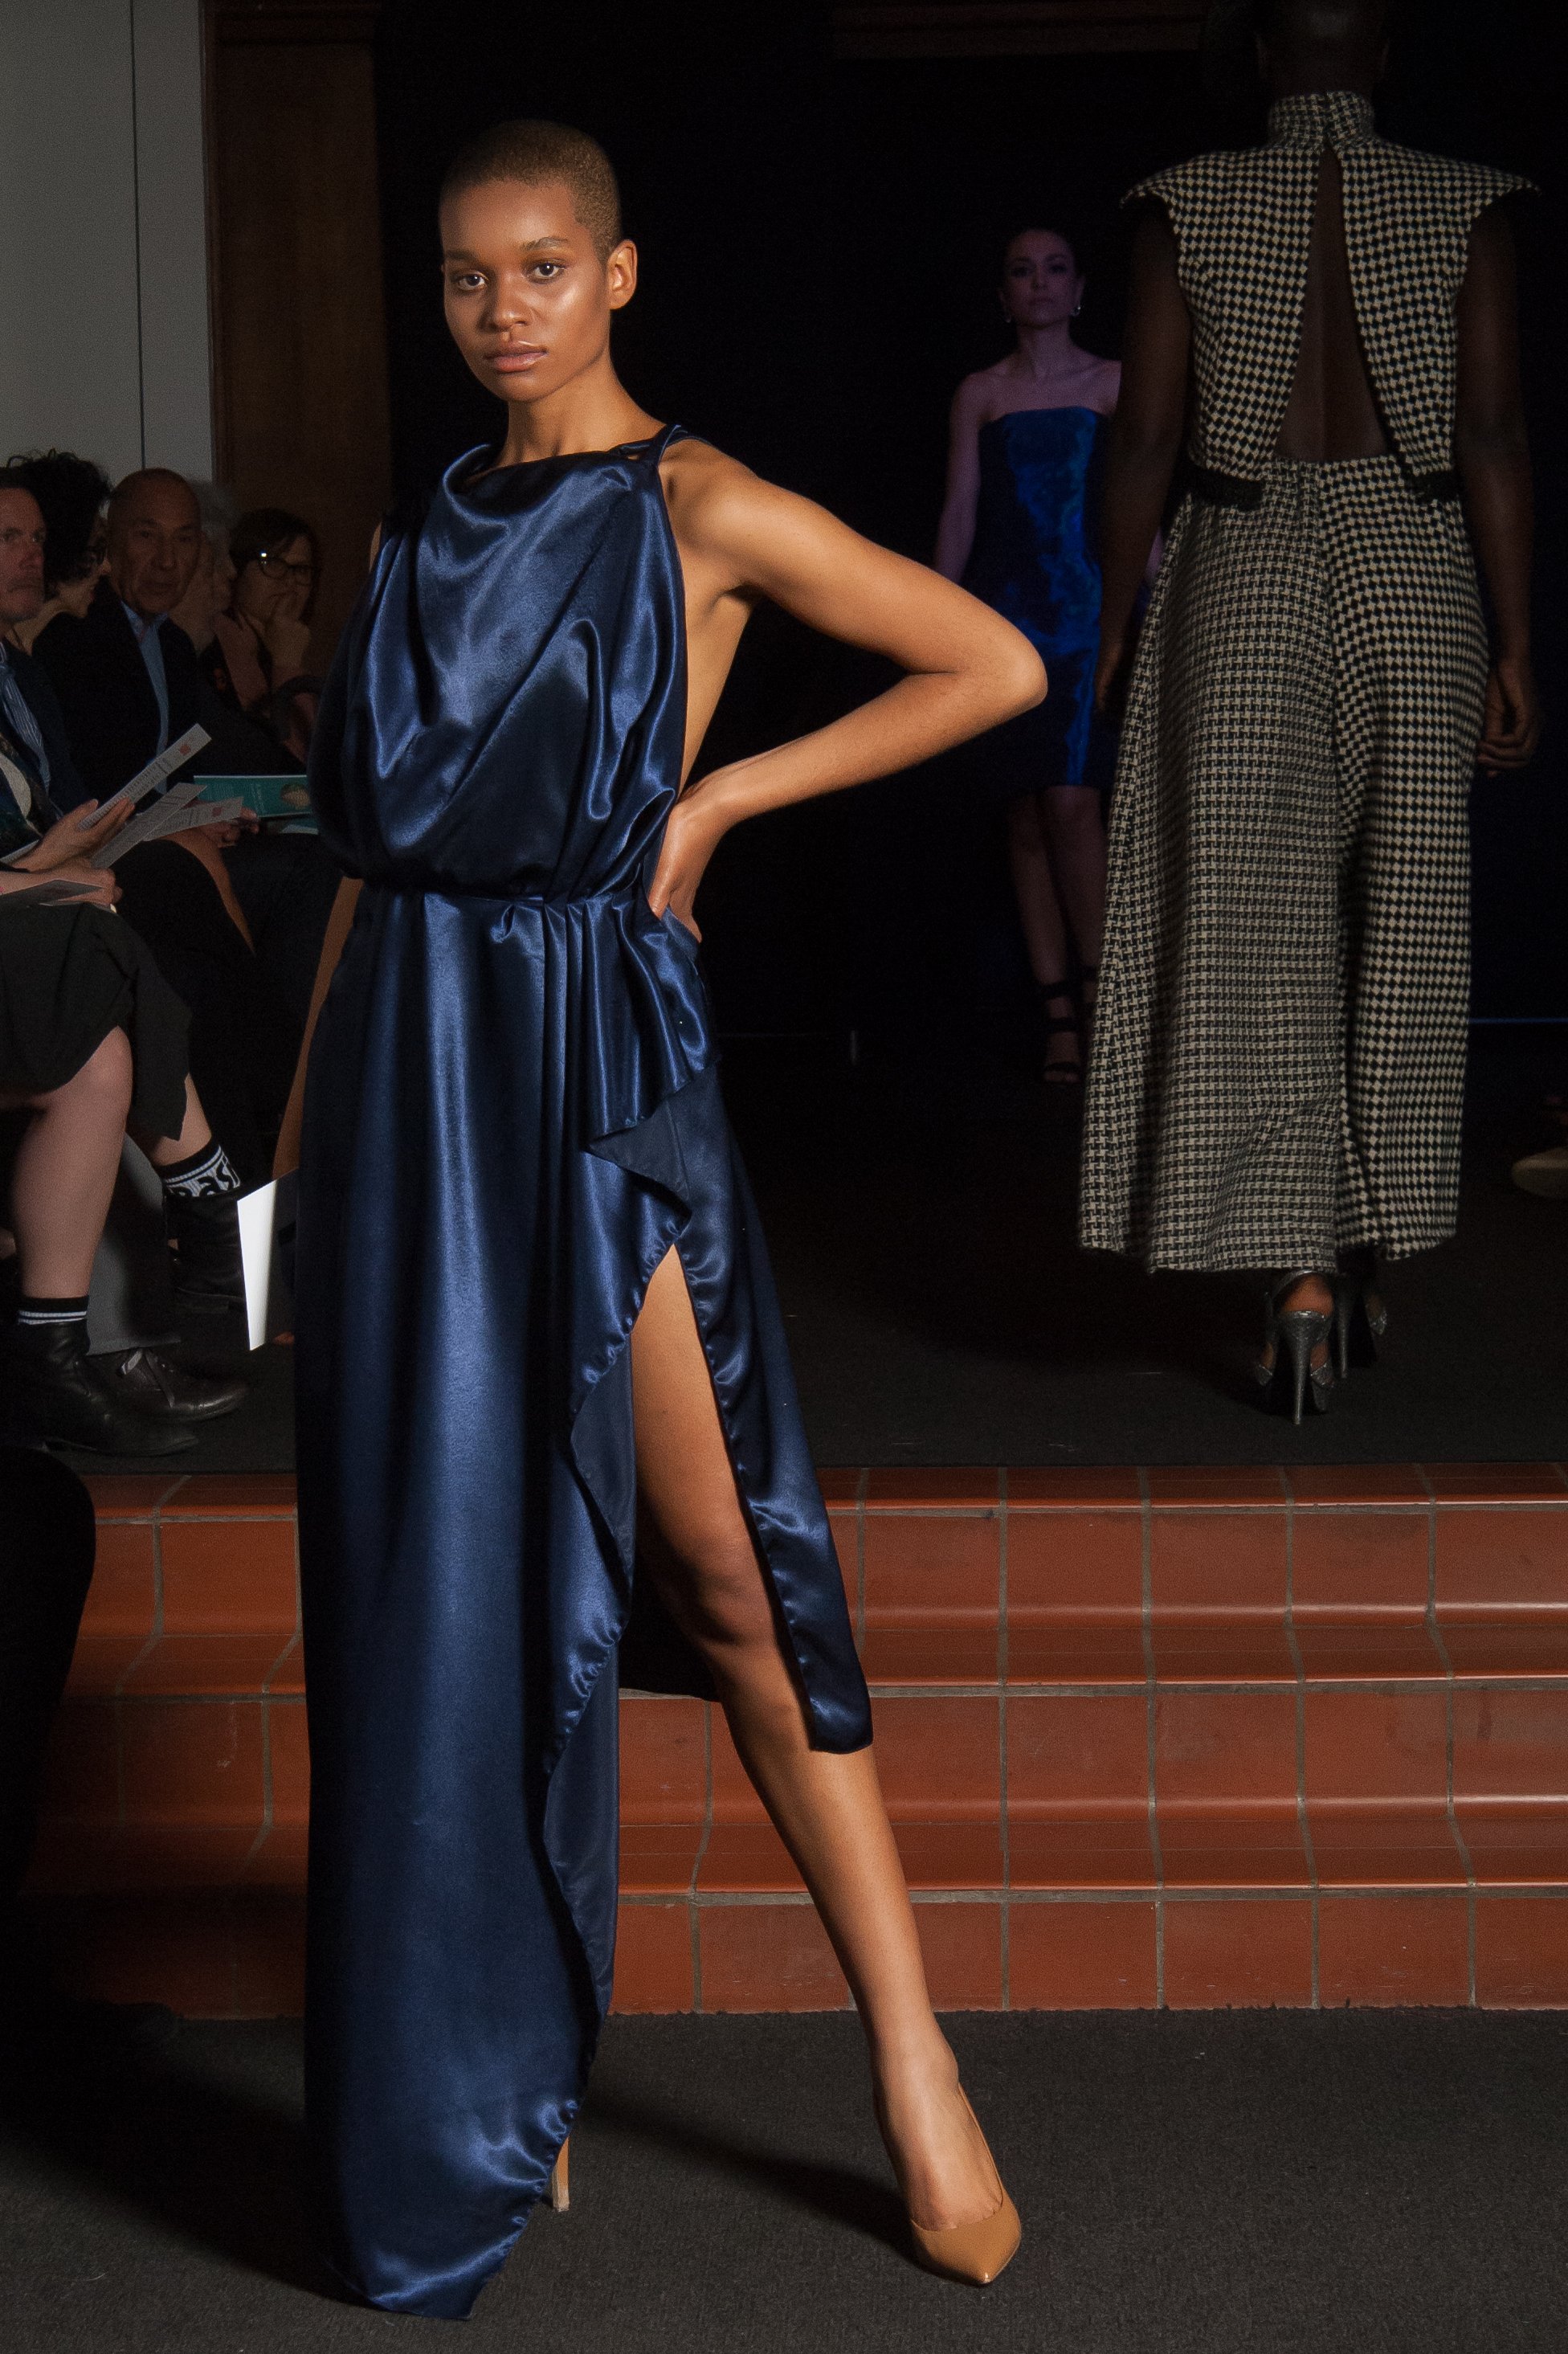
937,1569
1067,1569
229,1577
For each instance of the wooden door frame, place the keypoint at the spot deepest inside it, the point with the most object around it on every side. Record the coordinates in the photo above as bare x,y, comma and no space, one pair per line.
238,23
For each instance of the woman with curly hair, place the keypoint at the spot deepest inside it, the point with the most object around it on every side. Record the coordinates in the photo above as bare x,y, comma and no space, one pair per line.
72,493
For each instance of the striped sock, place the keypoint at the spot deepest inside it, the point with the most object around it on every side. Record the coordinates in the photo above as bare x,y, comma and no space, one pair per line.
46,1316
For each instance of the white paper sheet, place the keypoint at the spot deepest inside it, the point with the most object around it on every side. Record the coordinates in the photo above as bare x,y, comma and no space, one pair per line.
160,818
257,1214
149,778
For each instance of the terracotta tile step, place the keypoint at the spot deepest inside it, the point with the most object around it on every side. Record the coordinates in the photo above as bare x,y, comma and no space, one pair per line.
240,1953
1073,1757
1334,1571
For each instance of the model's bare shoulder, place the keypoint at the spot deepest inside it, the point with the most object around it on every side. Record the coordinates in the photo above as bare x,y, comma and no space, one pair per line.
700,479
974,391
721,511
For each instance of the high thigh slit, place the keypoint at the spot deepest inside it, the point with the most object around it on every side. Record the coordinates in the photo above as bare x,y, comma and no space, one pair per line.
512,1114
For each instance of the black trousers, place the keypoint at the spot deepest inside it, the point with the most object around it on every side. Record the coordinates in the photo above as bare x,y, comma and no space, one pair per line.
47,1543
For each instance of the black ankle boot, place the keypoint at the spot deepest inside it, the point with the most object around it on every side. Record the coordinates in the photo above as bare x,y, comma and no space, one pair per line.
50,1391
209,1274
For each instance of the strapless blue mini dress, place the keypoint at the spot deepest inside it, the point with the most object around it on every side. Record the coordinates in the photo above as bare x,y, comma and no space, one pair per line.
1036,560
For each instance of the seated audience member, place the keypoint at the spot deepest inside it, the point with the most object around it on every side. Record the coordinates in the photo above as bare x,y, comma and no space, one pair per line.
284,882
92,1046
180,897
92,1040
264,637
125,674
73,493
240,747
29,713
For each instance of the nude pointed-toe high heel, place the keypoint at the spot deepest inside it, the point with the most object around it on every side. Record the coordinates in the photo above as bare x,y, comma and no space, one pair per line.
972,2253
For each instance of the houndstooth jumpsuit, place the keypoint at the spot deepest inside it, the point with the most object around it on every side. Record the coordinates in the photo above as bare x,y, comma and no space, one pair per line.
1279,1048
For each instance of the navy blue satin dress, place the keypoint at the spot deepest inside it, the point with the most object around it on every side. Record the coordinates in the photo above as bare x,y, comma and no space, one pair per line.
512,1116
1036,560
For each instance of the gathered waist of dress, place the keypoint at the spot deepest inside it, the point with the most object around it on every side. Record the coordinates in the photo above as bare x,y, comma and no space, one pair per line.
394,886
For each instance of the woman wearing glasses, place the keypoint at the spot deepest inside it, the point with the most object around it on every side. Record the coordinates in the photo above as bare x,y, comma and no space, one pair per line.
257,660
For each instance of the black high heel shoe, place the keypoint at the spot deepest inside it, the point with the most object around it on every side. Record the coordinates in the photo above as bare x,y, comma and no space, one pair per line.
1061,1074
1288,1377
1358,1325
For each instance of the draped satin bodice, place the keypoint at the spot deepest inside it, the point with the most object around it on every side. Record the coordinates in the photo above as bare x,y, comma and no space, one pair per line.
513,701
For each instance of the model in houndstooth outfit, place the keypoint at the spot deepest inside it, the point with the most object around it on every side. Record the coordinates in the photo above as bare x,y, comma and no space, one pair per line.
1279,1054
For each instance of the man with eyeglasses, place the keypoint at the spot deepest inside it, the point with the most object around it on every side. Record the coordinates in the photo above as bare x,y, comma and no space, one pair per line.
126,675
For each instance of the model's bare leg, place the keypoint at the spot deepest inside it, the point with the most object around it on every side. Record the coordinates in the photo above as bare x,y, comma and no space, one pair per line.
827,1808
195,1135
1045,931
1076,839
65,1169
1039,908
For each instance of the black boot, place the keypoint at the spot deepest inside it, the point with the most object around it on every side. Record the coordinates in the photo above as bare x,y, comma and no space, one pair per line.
209,1274
153,1383
54,1393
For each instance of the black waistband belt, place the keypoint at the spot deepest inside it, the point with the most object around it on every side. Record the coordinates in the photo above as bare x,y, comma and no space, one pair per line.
1223,489
1433,490
1235,491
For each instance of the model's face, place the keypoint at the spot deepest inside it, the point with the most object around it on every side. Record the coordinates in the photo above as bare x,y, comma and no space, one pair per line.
155,544
21,557
1041,285
527,299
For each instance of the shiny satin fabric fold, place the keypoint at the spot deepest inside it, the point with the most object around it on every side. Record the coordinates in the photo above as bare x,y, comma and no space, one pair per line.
512,1116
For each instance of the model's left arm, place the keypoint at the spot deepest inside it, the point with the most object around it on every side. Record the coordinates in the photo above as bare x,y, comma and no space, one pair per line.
966,668
1493,458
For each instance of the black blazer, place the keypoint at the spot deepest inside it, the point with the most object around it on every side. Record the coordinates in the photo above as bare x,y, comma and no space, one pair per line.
110,712
65,786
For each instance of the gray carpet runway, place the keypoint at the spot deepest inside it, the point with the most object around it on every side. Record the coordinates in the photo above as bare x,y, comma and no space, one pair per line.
1196,2183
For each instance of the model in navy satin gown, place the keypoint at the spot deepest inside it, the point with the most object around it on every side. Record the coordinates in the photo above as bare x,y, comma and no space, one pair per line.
513,1122
1020,527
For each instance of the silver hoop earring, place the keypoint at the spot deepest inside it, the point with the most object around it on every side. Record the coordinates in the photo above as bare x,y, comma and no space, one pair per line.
1077,310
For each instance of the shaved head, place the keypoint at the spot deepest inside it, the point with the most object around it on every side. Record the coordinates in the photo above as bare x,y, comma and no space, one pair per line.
148,484
155,538
534,152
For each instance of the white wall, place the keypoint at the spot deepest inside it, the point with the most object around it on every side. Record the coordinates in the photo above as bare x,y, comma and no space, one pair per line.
103,300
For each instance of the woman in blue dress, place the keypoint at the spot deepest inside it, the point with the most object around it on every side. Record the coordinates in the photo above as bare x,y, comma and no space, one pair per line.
542,1387
1019,529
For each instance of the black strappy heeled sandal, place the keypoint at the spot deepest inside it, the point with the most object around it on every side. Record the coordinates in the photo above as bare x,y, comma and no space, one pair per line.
1062,1073
1288,1377
1360,1319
